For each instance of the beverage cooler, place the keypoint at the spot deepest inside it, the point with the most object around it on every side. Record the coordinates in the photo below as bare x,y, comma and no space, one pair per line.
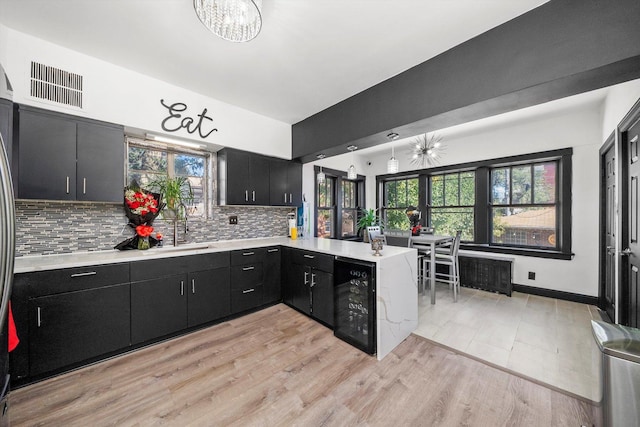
355,303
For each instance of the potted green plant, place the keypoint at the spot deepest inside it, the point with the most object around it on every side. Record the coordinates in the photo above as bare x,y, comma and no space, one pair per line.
368,218
177,194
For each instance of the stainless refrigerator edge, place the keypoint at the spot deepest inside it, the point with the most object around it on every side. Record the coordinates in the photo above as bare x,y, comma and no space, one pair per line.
7,254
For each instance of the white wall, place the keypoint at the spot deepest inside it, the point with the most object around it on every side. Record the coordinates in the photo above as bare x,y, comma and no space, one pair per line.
118,95
579,128
618,102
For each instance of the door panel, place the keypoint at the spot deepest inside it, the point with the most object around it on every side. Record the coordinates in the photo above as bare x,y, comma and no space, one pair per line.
610,235
631,257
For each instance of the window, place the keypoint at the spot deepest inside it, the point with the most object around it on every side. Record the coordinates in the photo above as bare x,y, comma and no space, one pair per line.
338,203
523,205
453,198
398,195
325,203
148,163
350,209
518,205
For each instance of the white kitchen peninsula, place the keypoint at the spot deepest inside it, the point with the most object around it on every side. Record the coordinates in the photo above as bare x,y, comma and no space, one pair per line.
396,273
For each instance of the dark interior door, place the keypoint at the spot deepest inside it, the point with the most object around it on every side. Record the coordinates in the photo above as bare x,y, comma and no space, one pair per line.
609,218
630,299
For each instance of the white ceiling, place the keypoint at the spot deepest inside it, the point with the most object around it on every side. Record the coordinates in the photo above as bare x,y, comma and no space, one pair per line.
310,54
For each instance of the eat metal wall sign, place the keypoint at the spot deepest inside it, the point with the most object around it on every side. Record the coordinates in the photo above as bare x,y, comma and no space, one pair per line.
176,120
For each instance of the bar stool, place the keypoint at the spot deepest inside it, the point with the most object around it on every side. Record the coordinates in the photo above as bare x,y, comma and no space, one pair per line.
446,255
423,251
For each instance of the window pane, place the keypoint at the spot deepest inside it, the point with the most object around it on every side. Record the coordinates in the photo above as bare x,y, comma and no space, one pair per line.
198,187
349,194
325,221
412,191
390,194
525,226
349,222
401,189
437,190
396,219
500,186
544,176
142,178
451,187
189,165
467,188
521,185
450,220
147,159
325,193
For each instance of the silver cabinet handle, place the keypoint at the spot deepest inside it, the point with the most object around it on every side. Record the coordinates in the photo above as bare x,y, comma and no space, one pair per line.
253,193
285,197
273,250
248,268
246,195
248,291
84,185
39,317
88,273
67,185
313,279
182,287
248,253
306,277
193,286
290,198
309,256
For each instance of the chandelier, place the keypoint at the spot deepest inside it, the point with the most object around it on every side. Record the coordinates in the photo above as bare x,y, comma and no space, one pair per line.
233,20
425,150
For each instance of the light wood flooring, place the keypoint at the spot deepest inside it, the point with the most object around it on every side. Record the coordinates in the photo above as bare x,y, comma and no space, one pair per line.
277,367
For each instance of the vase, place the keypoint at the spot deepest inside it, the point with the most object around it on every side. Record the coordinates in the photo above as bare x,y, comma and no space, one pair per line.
143,243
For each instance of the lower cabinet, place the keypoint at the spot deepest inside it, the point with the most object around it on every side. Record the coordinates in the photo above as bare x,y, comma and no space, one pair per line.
208,296
247,278
158,307
75,326
308,284
272,284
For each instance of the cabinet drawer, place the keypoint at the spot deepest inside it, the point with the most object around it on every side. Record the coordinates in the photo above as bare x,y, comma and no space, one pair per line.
313,259
246,298
161,267
248,275
204,262
74,279
247,256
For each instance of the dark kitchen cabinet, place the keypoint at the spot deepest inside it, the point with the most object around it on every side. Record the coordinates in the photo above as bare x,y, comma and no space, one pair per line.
66,316
285,179
243,178
63,157
247,278
158,307
209,296
309,284
75,326
272,283
171,294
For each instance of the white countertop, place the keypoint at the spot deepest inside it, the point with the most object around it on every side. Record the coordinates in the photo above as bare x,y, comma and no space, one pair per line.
356,250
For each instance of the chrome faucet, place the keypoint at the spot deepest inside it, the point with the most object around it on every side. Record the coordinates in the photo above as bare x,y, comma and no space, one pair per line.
182,208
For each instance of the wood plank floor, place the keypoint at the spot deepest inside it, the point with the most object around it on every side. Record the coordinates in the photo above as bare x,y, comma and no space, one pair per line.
277,367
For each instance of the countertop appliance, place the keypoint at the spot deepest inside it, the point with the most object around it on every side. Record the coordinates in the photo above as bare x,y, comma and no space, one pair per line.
355,303
7,254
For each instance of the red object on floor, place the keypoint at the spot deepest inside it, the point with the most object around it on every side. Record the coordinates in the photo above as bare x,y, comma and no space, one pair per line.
13,334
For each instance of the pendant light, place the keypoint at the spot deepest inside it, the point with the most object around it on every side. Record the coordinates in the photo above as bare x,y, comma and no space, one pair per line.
392,163
321,176
351,172
232,20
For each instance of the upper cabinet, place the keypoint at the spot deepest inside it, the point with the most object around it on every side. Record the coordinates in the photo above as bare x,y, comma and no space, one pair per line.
285,182
252,179
243,178
63,157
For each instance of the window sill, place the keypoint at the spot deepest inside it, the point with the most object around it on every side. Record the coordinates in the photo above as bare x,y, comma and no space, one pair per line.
537,253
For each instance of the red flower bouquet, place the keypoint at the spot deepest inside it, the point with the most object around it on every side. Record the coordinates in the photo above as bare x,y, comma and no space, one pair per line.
141,207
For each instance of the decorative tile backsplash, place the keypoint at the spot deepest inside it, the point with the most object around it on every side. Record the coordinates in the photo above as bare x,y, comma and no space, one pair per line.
47,227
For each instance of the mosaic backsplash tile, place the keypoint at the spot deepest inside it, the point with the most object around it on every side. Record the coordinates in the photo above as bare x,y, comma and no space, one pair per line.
48,227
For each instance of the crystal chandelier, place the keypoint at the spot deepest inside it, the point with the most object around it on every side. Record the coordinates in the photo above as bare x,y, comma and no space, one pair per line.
233,20
425,150
351,172
392,163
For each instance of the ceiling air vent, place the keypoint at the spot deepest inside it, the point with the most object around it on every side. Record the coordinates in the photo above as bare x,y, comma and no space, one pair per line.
56,85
